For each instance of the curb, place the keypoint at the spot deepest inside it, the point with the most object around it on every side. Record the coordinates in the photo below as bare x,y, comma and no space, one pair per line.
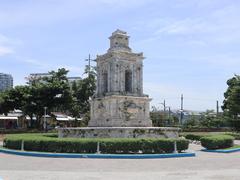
99,156
222,150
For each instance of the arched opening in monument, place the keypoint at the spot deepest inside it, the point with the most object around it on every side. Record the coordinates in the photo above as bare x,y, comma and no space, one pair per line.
105,82
128,81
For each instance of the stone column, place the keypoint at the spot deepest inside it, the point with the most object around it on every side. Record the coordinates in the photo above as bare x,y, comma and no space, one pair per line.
141,79
133,78
121,78
97,86
109,77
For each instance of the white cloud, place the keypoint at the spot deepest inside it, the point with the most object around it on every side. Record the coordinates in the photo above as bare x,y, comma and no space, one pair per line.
44,66
125,3
34,62
218,25
40,12
5,51
188,26
3,39
47,12
7,45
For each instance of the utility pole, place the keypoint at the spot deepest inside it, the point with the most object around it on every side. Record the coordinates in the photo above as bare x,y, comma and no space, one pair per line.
164,106
169,112
89,64
217,110
181,115
164,111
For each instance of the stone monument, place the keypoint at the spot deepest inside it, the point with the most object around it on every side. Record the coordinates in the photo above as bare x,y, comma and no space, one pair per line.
119,108
119,100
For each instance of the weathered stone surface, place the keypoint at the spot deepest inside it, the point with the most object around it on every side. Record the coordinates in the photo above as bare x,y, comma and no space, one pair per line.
119,100
119,132
120,111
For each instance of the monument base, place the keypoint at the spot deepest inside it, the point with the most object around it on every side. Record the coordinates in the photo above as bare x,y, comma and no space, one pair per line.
119,132
120,111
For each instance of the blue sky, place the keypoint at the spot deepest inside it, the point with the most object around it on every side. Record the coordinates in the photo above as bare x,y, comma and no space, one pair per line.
191,46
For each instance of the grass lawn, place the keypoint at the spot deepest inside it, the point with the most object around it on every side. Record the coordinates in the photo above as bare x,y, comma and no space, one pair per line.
202,133
233,147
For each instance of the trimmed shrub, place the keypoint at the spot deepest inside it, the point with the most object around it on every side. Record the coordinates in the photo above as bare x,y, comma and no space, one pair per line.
45,143
234,134
194,137
217,141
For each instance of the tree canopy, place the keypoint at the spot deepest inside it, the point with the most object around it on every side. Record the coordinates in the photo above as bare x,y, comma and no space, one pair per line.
231,103
52,91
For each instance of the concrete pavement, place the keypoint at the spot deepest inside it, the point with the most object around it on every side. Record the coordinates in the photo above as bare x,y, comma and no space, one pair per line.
205,166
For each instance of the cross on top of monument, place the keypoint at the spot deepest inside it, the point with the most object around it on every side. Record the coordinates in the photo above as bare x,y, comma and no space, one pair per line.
119,41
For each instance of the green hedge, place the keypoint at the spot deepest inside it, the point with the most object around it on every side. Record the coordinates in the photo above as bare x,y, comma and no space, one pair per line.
46,143
194,137
234,134
217,141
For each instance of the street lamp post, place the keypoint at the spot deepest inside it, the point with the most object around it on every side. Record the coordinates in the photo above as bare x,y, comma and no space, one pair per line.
45,120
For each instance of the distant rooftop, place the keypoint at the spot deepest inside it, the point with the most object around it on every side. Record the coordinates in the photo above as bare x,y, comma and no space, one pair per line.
5,74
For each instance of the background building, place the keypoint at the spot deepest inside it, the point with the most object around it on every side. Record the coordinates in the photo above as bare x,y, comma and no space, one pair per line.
6,82
36,77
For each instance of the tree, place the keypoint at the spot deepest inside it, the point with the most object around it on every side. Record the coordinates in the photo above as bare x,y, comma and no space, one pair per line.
157,117
13,99
231,103
82,91
192,122
52,92
21,98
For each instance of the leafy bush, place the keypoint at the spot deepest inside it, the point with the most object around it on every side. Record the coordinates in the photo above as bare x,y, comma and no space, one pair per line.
194,137
234,134
46,143
217,141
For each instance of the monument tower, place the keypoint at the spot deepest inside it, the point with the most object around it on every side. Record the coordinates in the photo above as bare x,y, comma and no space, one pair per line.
119,109
119,100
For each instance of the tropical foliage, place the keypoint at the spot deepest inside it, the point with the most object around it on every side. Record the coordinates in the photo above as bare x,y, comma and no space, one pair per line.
54,92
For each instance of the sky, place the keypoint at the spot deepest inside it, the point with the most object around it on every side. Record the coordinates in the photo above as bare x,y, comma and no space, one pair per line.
192,47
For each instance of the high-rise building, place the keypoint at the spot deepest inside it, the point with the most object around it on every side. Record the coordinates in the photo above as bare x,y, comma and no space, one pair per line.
6,82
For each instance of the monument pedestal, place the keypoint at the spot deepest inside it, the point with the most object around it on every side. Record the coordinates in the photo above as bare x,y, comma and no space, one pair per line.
119,132
120,111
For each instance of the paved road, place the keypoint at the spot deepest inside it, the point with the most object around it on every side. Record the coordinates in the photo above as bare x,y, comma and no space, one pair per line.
205,166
